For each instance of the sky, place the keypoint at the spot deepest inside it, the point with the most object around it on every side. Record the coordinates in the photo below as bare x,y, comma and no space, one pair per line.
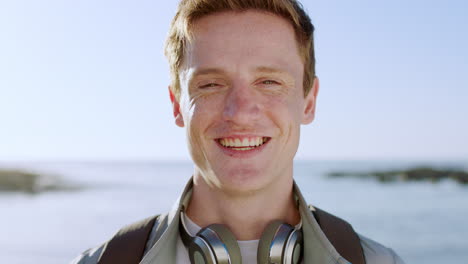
87,80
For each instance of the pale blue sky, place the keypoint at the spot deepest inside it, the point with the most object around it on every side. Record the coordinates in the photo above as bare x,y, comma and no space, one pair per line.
88,80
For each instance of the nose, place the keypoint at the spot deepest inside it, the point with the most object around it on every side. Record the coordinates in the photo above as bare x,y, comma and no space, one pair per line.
242,105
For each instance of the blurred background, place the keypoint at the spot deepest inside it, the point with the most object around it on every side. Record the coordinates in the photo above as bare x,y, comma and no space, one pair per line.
88,142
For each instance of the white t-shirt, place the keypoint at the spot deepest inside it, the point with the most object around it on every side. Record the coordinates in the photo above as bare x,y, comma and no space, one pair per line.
248,248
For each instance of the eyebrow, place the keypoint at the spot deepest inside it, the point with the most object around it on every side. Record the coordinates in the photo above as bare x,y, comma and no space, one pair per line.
207,71
266,69
259,69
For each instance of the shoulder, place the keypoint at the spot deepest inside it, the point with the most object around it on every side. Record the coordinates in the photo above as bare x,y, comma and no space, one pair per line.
376,253
90,256
140,234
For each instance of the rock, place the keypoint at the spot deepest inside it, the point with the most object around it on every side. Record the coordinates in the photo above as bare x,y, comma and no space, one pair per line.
414,174
13,180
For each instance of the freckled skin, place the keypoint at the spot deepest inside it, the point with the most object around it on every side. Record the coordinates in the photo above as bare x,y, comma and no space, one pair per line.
242,74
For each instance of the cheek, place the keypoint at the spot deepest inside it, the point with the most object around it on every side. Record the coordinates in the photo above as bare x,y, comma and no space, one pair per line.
274,103
296,108
196,110
200,115
195,128
287,109
204,104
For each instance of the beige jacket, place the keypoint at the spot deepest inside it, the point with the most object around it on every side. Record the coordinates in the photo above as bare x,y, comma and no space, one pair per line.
161,246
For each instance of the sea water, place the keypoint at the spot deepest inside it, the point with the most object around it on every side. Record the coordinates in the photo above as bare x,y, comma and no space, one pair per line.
423,222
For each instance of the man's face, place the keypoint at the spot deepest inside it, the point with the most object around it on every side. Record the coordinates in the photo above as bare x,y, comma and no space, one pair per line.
242,99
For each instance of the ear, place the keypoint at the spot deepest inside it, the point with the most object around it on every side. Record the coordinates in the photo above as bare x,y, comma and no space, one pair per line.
179,120
310,102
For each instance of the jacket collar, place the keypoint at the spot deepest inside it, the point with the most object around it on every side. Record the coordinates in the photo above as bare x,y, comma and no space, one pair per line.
317,248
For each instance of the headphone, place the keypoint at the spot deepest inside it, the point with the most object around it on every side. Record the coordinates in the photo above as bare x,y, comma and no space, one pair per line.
280,243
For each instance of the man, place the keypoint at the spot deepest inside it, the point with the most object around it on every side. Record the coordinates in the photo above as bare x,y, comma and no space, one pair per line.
243,82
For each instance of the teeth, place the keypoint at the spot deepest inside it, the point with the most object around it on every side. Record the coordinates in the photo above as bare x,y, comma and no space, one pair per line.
244,148
256,141
242,144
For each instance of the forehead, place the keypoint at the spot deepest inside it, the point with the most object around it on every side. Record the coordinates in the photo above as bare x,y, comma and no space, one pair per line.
240,38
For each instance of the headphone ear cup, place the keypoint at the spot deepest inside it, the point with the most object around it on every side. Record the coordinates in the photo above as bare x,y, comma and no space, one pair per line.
200,252
263,251
280,243
294,247
214,244
229,241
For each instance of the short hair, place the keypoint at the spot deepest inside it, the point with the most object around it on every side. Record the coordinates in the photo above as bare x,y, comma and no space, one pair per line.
191,10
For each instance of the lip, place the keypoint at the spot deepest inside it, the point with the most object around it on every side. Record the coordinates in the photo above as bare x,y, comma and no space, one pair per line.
242,153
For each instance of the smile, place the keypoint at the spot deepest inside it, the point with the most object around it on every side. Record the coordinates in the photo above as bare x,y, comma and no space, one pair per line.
242,143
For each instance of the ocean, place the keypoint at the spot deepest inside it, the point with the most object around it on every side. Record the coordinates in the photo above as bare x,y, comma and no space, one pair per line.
423,222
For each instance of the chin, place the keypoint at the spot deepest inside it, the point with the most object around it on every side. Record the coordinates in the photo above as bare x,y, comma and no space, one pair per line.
243,180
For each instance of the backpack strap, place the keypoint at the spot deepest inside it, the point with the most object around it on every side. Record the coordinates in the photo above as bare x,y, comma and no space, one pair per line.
128,245
342,236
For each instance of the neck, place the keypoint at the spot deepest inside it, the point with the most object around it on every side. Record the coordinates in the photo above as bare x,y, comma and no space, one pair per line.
245,215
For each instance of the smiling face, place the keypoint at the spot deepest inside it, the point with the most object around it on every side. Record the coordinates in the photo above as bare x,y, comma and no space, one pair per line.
242,100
